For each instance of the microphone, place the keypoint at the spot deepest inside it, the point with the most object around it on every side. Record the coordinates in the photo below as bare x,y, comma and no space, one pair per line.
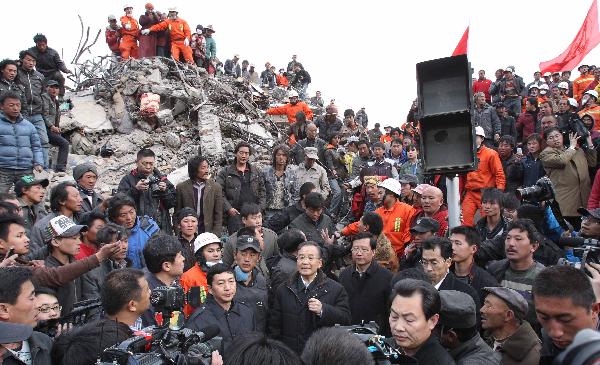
577,242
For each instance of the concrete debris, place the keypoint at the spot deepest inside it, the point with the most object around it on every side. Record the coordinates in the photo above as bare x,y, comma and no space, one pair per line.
191,113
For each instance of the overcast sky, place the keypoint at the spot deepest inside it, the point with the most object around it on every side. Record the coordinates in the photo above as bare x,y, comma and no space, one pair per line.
362,53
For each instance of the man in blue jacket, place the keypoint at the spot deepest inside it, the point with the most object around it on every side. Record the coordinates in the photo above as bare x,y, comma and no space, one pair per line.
20,148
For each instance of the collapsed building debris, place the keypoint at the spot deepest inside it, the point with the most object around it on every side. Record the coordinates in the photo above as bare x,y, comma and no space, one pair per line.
175,109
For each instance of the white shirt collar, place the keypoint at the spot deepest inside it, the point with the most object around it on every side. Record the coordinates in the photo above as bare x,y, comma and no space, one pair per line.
437,286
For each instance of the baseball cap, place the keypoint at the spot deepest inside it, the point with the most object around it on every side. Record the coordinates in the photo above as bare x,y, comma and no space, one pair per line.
311,152
563,85
595,213
510,69
14,332
204,239
29,180
112,17
244,242
408,179
458,309
425,224
52,83
62,226
512,298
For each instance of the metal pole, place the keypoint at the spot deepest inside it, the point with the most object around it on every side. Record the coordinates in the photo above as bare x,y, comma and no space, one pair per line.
453,196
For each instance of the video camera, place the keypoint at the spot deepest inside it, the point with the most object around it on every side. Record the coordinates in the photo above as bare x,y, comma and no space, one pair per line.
575,125
587,249
164,344
382,349
153,181
82,313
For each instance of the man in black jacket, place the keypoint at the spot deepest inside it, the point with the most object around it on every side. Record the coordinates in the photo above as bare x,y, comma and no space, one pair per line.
221,309
367,284
17,306
48,61
150,189
437,259
308,301
465,243
125,296
419,302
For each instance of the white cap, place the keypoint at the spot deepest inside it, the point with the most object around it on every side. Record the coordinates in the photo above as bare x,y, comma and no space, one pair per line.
547,74
510,69
593,93
63,226
544,87
205,239
127,6
293,93
534,86
479,131
112,17
392,185
573,103
563,85
173,9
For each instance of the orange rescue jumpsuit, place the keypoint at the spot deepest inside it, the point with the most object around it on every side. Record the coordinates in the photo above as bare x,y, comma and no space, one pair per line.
179,31
291,110
129,37
396,224
194,277
489,174
580,84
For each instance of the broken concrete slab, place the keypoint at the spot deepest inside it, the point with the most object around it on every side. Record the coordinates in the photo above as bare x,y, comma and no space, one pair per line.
87,112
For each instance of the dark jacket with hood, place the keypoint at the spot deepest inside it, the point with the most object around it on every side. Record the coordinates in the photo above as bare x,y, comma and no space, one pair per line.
231,181
67,294
256,296
290,320
156,207
33,83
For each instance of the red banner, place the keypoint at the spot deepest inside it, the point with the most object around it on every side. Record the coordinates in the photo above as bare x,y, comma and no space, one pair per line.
462,46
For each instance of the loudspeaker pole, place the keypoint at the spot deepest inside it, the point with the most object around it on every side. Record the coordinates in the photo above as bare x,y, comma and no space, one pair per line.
453,196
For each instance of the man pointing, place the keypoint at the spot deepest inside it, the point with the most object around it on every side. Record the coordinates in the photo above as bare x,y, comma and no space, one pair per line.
180,34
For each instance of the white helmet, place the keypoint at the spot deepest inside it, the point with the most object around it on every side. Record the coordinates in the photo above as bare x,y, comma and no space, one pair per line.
563,85
127,6
534,86
479,131
573,103
392,185
593,93
544,87
205,239
293,93
173,10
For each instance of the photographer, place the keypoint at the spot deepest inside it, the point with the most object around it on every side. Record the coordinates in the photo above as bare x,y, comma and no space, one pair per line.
565,304
567,168
152,193
590,223
164,264
125,296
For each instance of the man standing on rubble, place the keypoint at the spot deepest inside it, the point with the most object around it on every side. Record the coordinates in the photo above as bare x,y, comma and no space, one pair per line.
130,30
180,34
113,35
33,83
148,41
48,62
51,111
150,189
242,183
290,109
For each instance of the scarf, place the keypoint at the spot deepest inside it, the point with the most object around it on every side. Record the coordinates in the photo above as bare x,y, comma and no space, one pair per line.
88,192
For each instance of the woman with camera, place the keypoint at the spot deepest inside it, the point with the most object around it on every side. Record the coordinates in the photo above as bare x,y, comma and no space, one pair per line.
567,168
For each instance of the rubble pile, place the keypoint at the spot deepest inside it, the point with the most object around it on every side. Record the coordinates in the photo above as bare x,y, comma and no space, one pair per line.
175,109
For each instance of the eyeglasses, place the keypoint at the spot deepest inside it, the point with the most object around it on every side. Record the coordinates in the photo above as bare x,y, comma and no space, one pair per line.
361,249
308,258
46,308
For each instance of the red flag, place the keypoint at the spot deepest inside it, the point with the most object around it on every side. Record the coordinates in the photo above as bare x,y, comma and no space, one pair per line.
461,47
586,39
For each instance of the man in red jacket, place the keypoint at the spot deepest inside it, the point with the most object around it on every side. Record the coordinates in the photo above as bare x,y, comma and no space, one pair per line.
526,123
113,35
482,85
489,174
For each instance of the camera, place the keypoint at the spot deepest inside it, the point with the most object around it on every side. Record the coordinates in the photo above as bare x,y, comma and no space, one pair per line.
575,125
383,350
153,182
540,192
82,313
168,299
586,249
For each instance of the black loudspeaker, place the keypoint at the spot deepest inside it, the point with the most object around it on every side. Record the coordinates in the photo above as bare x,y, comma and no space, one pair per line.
447,136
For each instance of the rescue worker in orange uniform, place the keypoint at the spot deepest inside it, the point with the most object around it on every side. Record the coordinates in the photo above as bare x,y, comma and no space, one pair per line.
130,31
489,174
180,34
290,109
395,214
581,83
591,107
208,250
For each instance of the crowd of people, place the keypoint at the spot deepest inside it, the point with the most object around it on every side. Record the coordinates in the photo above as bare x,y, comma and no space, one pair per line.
342,228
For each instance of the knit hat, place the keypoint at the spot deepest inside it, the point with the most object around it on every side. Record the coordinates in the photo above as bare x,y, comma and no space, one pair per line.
81,169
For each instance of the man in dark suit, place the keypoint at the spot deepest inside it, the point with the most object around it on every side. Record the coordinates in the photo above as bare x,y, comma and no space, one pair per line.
202,194
437,260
